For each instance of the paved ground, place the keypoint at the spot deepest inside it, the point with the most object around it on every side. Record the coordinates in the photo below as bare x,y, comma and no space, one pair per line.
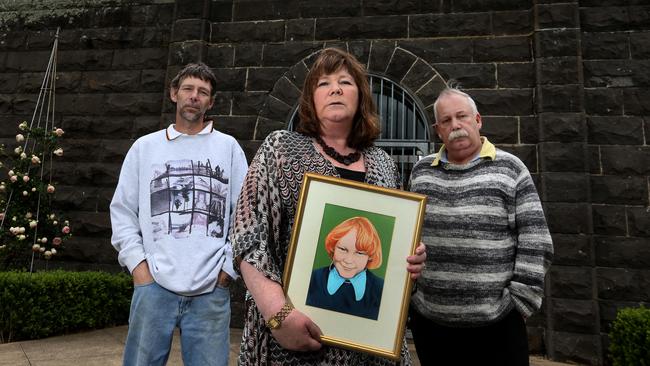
104,348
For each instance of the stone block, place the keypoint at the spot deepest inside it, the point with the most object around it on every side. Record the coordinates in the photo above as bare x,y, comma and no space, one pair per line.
572,250
429,91
90,224
536,339
556,43
182,53
87,174
470,75
85,127
565,187
388,7
611,189
595,166
639,220
639,16
576,347
500,130
222,104
636,101
286,91
420,73
115,81
300,30
12,40
400,64
516,75
526,153
250,148
152,80
562,127
569,282
263,78
241,128
247,103
288,54
574,316
639,42
560,98
248,54
229,79
275,109
385,27
609,220
9,83
603,101
143,125
112,150
502,49
558,70
503,102
69,198
143,58
512,22
360,49
557,16
83,253
32,61
32,82
529,130
618,130
297,74
160,14
448,25
265,126
220,55
619,252
441,50
156,37
190,30
107,38
189,9
221,11
568,218
601,45
623,284
239,32
133,104
380,55
332,8
608,73
604,18
625,160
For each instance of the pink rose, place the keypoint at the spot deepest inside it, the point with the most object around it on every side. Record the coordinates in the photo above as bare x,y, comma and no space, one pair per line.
50,188
66,230
56,241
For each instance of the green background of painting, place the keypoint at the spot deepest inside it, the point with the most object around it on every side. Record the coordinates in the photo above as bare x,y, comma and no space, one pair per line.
334,215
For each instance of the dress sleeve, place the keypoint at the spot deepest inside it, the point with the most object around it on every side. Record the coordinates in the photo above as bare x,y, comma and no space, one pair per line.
254,234
534,248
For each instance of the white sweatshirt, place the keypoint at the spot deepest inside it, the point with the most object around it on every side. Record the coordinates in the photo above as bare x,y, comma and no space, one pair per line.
173,204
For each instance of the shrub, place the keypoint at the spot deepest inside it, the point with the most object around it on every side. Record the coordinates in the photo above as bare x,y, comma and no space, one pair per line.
630,337
43,304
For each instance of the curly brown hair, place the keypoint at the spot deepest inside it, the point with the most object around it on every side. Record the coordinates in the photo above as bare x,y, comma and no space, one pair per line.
365,126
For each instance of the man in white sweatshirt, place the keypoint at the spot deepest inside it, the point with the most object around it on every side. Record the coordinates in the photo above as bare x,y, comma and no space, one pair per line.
170,216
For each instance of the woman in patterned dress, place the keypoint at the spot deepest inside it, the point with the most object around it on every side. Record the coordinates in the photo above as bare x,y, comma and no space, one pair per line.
338,125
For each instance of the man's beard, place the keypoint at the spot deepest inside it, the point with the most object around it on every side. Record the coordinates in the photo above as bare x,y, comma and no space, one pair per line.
193,116
457,134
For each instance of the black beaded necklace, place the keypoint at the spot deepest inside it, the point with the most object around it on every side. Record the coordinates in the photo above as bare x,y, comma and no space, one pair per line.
343,159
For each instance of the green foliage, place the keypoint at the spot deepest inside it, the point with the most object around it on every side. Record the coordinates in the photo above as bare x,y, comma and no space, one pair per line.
43,304
27,222
630,337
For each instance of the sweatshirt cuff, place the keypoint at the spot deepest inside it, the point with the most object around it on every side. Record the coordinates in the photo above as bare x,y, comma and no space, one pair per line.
132,257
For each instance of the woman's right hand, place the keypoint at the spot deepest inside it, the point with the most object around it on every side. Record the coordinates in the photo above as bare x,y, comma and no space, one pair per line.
298,333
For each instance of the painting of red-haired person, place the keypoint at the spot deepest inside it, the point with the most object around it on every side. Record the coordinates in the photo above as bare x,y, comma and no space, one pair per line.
346,285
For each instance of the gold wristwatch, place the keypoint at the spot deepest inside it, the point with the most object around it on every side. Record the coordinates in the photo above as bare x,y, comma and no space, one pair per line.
275,321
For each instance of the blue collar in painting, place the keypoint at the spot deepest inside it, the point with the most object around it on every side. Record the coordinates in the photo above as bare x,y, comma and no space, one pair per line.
334,281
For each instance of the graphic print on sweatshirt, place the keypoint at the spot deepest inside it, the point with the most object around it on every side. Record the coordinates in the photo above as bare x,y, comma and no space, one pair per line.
188,198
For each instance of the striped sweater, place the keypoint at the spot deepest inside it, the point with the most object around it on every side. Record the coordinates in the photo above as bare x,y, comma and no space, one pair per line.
488,246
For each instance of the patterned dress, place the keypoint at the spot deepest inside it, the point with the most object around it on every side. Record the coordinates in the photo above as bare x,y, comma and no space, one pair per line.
262,231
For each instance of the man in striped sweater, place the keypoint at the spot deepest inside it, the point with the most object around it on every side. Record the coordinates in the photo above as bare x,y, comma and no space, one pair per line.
488,246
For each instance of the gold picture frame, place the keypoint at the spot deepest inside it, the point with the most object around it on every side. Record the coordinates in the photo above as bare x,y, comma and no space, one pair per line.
366,315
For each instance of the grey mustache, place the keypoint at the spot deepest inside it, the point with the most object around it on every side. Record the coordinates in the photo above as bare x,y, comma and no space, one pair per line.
457,134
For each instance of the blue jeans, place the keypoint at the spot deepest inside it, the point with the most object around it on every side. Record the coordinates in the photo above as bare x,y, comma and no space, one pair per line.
203,320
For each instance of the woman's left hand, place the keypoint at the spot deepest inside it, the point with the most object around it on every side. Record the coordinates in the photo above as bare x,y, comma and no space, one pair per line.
416,261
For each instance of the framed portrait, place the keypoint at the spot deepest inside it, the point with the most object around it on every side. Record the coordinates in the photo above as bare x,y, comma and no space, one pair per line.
346,266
